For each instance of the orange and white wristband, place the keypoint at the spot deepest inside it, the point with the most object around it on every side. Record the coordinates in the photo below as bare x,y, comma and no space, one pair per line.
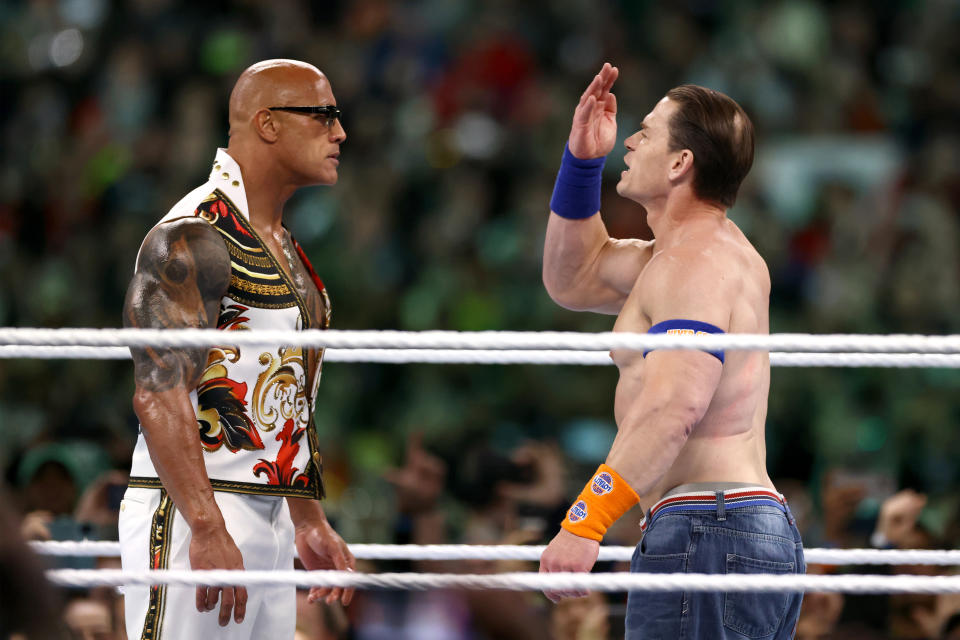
605,498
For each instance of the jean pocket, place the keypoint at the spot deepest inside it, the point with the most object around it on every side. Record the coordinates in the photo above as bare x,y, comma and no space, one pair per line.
755,615
656,614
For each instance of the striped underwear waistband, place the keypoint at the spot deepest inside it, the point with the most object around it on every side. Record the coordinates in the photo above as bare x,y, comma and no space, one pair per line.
707,501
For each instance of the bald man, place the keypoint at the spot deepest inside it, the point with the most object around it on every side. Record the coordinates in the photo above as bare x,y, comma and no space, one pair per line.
227,473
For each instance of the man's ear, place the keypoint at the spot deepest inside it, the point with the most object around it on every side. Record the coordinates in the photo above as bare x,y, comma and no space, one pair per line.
681,165
266,125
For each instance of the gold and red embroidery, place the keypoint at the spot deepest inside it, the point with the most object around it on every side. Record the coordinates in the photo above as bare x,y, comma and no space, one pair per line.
281,471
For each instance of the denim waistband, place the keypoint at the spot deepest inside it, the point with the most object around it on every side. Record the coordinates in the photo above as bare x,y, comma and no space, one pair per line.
718,501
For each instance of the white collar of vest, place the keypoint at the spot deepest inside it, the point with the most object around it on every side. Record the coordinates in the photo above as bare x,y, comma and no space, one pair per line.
226,176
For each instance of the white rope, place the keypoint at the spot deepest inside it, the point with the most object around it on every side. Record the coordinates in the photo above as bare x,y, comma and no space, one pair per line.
37,352
517,581
885,360
87,548
513,356
530,340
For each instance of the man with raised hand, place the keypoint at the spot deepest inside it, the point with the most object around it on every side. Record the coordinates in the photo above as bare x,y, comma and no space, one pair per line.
690,441
227,472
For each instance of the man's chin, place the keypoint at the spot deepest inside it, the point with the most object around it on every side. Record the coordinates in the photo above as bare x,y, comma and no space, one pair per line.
625,192
326,179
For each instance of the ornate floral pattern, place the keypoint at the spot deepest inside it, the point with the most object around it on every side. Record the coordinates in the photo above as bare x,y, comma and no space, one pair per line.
213,208
281,471
279,393
221,404
232,318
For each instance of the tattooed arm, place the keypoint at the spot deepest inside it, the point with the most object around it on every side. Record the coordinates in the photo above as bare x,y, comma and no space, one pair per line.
182,273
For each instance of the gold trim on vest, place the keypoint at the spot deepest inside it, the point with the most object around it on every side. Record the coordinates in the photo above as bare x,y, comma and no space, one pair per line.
159,550
230,486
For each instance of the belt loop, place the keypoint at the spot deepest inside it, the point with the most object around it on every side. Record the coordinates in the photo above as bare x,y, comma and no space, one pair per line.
721,507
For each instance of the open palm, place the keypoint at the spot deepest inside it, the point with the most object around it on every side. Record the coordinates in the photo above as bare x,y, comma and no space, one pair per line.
594,130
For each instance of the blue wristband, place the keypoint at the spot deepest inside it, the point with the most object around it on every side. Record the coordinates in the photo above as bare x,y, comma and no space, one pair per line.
576,194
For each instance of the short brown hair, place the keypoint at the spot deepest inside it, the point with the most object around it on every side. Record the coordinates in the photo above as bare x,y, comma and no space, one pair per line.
719,133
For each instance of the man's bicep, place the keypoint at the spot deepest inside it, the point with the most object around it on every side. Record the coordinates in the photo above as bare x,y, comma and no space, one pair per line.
686,292
182,273
618,267
622,262
684,379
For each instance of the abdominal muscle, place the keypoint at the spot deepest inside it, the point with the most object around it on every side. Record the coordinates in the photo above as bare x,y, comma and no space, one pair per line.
728,444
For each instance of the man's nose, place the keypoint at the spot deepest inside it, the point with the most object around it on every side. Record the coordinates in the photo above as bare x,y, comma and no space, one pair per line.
337,132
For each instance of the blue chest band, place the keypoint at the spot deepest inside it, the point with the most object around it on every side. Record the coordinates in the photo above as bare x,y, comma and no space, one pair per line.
686,327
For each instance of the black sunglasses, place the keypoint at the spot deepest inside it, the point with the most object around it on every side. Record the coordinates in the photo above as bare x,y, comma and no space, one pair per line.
328,111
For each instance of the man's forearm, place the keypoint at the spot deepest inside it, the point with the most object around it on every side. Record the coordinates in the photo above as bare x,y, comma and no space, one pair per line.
169,426
676,389
647,445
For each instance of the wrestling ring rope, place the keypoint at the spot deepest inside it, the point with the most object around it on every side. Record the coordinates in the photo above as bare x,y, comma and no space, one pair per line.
107,549
473,340
618,581
610,582
515,356
490,347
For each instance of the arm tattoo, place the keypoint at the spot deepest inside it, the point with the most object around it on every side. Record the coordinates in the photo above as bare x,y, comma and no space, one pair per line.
182,273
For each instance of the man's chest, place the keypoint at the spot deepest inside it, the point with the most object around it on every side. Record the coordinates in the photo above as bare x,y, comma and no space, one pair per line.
634,316
301,281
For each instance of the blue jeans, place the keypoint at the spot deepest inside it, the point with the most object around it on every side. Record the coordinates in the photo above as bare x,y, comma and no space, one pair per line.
750,539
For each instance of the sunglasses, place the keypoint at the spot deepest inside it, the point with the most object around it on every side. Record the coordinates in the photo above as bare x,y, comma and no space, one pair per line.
328,111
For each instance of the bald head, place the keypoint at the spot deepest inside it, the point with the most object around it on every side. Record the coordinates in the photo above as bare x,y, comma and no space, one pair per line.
289,149
272,83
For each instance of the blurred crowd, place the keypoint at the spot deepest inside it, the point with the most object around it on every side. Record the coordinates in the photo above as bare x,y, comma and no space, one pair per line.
456,114
475,493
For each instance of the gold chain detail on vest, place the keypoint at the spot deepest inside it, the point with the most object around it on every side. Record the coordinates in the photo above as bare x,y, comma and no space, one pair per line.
247,257
258,288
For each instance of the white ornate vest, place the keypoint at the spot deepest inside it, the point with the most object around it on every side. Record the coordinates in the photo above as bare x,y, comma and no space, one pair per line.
254,405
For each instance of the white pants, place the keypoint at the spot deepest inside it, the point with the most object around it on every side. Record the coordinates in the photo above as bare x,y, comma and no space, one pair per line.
153,534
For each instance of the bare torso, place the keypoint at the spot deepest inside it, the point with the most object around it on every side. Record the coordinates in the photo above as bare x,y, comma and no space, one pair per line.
727,445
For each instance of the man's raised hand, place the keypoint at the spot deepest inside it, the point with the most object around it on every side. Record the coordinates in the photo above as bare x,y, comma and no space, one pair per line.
594,130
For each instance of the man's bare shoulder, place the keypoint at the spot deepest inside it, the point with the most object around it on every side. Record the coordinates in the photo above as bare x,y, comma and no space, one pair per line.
723,252
753,266
692,260
707,266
